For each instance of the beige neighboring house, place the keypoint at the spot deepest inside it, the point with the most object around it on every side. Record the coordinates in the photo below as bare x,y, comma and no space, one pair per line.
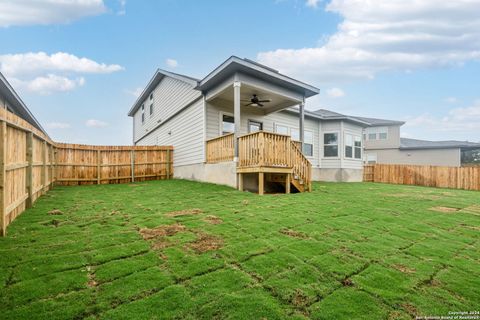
383,144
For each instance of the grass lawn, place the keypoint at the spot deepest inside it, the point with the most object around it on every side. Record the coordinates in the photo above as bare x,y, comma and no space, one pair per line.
180,249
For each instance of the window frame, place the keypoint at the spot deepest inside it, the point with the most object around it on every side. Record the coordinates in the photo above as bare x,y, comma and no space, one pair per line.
338,144
250,121
151,109
220,126
345,145
356,147
309,143
143,113
284,126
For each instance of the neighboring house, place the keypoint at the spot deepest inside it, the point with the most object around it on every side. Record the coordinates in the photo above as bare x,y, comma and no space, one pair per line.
201,117
10,100
383,144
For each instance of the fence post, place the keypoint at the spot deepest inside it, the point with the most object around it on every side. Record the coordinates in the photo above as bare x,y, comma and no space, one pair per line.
29,177
3,173
132,160
44,166
98,166
168,163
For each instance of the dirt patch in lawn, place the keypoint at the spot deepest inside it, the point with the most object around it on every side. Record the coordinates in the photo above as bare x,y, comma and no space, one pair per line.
186,212
55,212
299,298
347,282
475,209
293,233
411,309
445,209
92,283
213,220
404,269
205,242
161,231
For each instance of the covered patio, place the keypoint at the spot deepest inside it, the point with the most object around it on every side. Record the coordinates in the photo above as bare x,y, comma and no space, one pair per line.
243,87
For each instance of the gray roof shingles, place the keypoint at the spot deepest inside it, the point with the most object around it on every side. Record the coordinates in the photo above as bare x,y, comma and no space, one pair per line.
407,143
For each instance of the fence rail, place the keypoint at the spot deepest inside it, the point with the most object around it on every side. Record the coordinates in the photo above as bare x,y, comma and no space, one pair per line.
31,163
467,178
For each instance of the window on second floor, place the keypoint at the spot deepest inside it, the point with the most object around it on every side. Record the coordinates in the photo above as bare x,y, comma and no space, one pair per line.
143,113
151,109
151,96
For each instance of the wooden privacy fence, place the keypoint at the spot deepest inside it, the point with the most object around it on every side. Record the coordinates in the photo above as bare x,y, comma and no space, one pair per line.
82,164
31,163
467,178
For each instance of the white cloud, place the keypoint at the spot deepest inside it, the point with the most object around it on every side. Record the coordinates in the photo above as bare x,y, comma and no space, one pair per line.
312,3
378,36
122,10
38,62
35,12
93,123
172,63
464,121
335,93
136,93
451,100
58,125
52,83
42,73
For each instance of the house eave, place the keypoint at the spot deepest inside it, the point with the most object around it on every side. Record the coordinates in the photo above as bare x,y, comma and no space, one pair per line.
237,65
17,103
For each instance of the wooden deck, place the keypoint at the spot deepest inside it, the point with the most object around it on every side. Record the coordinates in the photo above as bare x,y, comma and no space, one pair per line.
274,157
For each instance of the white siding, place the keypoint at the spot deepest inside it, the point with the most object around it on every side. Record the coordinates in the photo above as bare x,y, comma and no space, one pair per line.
283,118
169,96
185,133
342,128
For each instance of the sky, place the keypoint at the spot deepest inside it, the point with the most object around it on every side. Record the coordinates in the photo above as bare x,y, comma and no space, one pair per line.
79,65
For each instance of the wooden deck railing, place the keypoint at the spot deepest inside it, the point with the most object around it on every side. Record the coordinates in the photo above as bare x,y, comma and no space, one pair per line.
301,166
274,150
220,149
264,149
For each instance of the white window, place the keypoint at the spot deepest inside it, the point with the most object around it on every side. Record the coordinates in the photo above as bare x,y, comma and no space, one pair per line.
151,109
228,124
371,158
295,134
143,113
376,133
348,146
358,147
308,143
151,96
281,129
330,144
254,126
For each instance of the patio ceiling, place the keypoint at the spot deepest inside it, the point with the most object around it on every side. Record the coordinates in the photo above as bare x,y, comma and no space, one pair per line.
278,101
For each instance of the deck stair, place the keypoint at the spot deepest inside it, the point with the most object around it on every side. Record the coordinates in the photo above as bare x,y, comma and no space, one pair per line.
276,158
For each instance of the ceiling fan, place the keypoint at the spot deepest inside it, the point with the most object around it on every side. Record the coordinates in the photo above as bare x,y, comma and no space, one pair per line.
256,102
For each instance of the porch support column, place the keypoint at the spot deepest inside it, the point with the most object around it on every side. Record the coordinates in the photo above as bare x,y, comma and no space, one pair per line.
236,116
301,124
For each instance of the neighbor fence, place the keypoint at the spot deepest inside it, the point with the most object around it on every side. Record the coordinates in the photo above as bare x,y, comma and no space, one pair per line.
31,163
467,178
